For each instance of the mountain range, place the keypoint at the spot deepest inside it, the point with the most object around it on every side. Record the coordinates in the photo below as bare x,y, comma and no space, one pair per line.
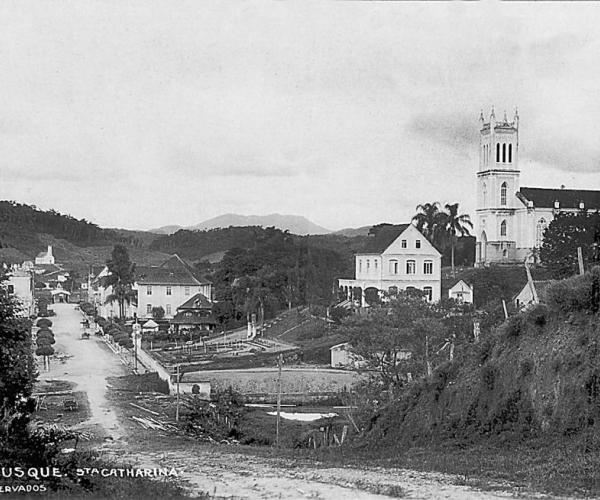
295,224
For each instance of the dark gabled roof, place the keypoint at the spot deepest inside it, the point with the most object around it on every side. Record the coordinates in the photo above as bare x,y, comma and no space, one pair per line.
385,236
172,272
181,319
198,301
567,198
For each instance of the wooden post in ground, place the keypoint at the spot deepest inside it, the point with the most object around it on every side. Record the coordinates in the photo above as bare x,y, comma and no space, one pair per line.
580,260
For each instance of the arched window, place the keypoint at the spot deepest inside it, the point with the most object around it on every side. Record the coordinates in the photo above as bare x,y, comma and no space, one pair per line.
428,267
368,265
411,267
504,153
503,189
428,293
484,192
510,153
539,232
503,228
498,153
360,265
393,267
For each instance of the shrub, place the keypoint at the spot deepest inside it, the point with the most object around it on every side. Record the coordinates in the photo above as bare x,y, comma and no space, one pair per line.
537,315
572,294
43,322
515,326
489,375
526,367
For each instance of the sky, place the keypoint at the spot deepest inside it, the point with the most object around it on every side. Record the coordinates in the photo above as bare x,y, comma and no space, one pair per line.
141,114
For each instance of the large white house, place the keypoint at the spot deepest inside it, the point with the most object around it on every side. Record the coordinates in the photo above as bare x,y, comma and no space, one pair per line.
396,258
511,220
168,286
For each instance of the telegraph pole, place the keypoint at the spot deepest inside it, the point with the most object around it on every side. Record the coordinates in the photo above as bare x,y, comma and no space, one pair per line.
280,361
177,409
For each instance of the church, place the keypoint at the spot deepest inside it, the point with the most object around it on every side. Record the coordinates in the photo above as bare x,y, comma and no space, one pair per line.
510,220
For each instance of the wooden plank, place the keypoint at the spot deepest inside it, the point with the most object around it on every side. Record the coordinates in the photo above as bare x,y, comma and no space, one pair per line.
145,409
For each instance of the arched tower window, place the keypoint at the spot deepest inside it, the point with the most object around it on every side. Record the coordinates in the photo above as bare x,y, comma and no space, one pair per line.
498,153
539,232
503,189
504,153
510,153
503,228
484,194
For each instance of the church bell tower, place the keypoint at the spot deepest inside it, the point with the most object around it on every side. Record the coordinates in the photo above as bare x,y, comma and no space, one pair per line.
497,185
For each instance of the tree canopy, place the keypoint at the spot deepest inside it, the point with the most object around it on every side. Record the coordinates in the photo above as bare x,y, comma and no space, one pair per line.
17,369
121,277
564,235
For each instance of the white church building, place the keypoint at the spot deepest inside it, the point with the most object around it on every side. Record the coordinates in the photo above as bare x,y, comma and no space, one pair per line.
511,219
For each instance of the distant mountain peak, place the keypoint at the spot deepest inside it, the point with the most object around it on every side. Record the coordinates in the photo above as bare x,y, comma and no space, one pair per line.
295,224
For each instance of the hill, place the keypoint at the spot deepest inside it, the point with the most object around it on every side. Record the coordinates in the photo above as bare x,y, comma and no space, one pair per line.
532,381
211,244
295,224
26,230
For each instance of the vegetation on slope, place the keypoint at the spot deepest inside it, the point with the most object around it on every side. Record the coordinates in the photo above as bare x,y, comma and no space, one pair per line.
534,380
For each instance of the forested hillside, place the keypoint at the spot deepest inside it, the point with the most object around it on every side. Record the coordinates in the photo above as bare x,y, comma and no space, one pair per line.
197,245
27,230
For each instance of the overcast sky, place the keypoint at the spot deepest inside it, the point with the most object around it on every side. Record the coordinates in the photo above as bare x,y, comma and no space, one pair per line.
142,114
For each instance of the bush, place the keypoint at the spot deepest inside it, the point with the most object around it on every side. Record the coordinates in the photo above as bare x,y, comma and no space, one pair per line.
43,322
515,326
538,315
573,294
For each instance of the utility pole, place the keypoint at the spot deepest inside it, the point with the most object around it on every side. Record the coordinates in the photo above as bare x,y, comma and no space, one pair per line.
177,409
280,361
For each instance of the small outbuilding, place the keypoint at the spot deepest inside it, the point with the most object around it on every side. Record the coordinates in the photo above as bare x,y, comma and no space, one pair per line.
462,292
526,297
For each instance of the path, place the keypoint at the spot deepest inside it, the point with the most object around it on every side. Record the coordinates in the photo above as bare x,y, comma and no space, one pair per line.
91,362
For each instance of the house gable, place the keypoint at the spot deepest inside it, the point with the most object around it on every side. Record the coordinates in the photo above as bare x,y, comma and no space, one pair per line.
411,235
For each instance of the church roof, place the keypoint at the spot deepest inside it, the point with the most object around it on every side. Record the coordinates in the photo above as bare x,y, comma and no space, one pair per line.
567,198
383,238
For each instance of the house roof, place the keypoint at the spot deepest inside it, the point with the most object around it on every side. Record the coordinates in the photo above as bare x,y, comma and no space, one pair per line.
198,301
456,281
181,319
567,198
172,272
384,237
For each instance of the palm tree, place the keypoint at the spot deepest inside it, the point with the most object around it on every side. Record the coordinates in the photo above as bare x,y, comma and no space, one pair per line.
456,225
430,221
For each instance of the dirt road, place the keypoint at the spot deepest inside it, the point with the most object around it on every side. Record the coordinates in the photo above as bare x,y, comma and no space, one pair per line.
220,472
89,364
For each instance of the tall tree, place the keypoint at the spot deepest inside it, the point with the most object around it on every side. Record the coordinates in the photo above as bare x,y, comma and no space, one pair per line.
431,222
17,370
455,225
121,277
564,235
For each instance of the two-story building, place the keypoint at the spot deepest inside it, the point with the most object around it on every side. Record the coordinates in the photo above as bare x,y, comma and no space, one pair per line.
397,258
168,286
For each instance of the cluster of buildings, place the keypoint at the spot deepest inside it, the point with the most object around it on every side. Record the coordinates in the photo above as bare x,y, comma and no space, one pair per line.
509,226
174,286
